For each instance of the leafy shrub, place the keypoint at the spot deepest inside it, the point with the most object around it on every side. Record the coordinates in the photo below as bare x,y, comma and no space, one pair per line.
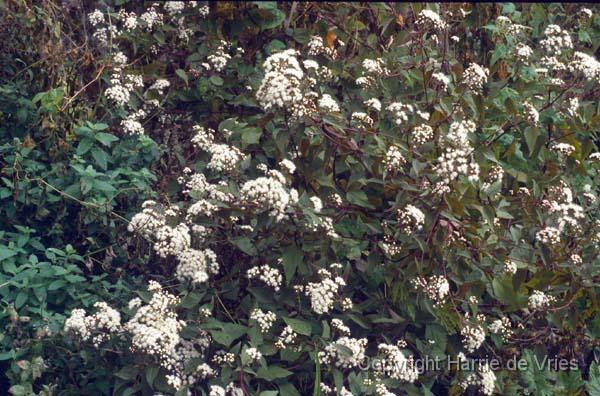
330,196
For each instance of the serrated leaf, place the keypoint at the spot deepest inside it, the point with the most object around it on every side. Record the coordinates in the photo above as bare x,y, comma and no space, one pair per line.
272,372
106,138
299,326
100,157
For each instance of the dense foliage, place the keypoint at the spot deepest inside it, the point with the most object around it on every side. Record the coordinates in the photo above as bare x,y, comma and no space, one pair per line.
299,198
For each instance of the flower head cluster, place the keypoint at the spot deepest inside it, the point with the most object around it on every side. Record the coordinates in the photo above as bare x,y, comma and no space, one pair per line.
510,267
224,158
548,236
502,327
333,355
196,265
393,159
530,114
410,218
323,294
218,60
436,287
395,364
328,104
586,66
484,379
473,337
373,104
556,40
270,276
441,80
362,120
455,159
422,134
539,300
131,124
282,86
287,337
269,193
316,46
98,327
475,76
523,53
399,111
430,21
154,328
265,319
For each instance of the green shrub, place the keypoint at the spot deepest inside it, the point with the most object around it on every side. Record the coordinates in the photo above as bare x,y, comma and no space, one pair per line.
303,198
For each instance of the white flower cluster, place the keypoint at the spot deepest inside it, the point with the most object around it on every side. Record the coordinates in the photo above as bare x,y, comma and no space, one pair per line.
281,86
473,337
328,104
573,107
548,236
475,76
507,26
323,294
556,40
96,17
288,166
421,134
569,216
410,218
218,60
374,67
185,352
495,174
393,159
224,158
523,52
586,66
316,47
99,326
530,114
575,259
430,21
564,149
395,364
539,300
154,328
371,68
362,120
131,124
151,18
339,325
373,104
455,159
510,267
399,110
265,319
174,7
484,379
253,354
333,355
436,288
287,337
152,223
270,276
502,327
160,85
390,246
195,265
441,80
269,193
